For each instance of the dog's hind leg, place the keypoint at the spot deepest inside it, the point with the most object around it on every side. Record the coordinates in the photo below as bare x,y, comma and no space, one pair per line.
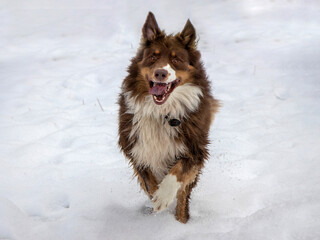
214,107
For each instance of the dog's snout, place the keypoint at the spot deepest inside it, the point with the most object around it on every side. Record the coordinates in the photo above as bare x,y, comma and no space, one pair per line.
160,74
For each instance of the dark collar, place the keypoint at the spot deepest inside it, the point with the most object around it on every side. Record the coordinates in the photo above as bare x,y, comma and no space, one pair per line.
173,122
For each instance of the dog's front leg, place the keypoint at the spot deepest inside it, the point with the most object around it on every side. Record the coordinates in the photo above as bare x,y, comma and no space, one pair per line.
147,181
181,175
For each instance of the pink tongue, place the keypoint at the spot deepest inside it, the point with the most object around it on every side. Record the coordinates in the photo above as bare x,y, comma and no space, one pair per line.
158,89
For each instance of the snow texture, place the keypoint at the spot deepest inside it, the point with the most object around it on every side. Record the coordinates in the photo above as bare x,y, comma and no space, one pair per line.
61,173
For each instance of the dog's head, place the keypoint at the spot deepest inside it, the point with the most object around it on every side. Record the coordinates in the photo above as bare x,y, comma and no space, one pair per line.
167,61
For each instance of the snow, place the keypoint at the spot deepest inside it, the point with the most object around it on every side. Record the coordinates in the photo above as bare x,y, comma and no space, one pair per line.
61,173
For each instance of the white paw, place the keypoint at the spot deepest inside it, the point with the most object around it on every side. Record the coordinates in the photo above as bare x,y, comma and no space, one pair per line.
166,193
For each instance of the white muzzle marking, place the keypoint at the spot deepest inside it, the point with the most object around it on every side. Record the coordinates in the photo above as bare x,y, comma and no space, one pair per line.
171,74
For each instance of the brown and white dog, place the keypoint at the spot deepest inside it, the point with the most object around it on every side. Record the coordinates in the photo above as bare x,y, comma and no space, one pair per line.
166,109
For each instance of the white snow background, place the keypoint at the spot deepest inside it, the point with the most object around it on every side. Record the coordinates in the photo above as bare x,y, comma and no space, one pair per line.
61,173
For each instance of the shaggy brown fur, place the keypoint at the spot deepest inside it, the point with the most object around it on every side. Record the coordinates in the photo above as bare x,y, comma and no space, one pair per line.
157,50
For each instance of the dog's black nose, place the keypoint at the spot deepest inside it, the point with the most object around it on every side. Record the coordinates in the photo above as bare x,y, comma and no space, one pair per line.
160,74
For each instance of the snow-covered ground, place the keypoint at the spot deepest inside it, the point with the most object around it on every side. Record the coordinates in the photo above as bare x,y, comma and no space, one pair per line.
61,173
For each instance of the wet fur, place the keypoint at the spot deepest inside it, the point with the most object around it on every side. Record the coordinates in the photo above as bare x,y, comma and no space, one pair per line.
157,151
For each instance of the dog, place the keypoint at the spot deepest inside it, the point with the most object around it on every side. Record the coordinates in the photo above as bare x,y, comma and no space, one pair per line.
165,113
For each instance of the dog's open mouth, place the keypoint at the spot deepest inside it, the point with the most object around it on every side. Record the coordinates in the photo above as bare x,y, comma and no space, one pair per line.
161,91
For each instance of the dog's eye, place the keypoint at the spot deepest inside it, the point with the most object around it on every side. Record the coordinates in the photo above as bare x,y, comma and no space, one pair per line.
153,58
175,60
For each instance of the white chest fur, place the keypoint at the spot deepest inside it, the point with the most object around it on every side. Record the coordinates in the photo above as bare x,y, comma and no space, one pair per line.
155,146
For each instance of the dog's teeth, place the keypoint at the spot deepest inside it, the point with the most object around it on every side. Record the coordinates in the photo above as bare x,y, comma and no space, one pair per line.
161,100
168,87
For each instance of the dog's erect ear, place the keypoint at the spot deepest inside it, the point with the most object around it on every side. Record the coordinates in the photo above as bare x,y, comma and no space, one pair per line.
150,28
188,35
